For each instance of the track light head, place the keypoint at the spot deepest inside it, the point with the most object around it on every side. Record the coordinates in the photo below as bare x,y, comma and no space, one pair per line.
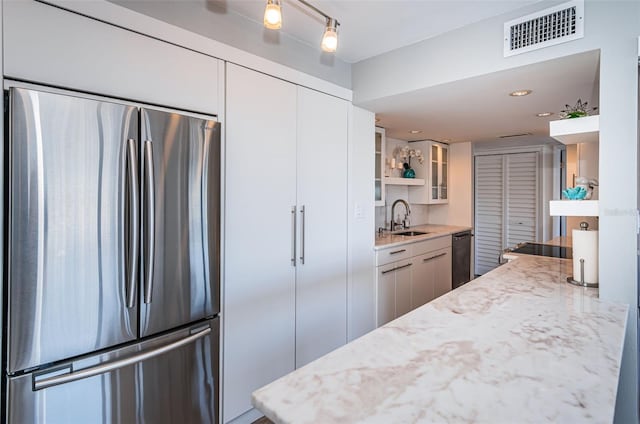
330,37
273,20
273,15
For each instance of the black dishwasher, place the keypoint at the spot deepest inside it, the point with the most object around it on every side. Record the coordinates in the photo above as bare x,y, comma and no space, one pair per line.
461,259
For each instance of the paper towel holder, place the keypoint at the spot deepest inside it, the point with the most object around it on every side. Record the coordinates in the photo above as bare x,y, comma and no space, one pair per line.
581,283
584,226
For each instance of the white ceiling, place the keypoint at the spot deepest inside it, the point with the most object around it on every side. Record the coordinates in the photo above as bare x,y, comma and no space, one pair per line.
480,109
372,27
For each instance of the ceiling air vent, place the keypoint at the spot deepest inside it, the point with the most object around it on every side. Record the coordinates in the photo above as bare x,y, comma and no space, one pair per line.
544,28
514,135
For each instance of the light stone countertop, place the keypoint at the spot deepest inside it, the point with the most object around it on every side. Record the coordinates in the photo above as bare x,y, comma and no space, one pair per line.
391,239
513,346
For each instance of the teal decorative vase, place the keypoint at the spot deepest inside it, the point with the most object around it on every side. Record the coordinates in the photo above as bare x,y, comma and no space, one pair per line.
408,171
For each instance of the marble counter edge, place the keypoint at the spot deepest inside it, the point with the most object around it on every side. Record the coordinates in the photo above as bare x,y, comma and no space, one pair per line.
613,310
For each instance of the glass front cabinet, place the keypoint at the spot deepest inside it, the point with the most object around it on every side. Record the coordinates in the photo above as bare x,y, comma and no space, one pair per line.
379,166
434,170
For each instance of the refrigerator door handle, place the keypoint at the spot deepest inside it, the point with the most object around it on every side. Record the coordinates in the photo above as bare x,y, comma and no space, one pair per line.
134,224
150,207
40,383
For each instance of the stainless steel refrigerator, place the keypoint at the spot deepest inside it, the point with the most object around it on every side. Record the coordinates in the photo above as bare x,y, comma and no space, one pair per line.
113,261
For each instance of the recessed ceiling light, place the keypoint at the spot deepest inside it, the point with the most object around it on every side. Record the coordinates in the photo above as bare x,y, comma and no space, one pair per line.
446,140
415,132
520,93
544,114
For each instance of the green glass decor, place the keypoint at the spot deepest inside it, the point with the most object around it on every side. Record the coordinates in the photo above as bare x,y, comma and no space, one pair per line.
408,171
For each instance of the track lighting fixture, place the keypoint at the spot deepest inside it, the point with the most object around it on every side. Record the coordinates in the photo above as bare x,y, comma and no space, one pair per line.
273,15
273,20
330,37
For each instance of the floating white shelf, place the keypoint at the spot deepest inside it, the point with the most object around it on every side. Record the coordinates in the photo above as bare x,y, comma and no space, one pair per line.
573,208
576,130
404,181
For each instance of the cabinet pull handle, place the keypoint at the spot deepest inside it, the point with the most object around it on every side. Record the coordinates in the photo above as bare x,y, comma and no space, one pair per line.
293,236
433,257
397,251
396,268
302,215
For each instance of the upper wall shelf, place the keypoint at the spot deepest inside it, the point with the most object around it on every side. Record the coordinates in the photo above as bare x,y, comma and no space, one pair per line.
574,208
404,181
576,130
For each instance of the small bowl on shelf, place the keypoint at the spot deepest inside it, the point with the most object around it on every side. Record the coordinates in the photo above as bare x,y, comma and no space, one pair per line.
575,193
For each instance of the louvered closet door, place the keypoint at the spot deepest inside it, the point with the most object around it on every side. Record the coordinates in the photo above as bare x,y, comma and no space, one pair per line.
489,208
522,198
506,205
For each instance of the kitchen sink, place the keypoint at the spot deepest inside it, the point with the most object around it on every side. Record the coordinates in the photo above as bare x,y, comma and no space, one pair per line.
411,233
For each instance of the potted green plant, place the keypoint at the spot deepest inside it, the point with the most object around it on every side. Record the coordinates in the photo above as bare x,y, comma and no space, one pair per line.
578,111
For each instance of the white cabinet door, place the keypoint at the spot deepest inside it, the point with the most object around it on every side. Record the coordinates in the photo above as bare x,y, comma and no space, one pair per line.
403,287
259,282
434,170
385,294
441,263
393,288
42,44
321,286
422,281
443,192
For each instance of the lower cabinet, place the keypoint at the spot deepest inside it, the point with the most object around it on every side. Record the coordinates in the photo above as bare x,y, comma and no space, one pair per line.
431,277
394,291
421,273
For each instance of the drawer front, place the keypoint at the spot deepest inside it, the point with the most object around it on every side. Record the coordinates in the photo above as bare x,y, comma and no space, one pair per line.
392,254
427,246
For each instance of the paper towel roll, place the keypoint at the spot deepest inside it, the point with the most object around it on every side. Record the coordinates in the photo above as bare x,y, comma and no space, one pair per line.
585,246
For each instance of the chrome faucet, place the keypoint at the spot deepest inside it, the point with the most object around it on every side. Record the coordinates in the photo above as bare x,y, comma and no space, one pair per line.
406,215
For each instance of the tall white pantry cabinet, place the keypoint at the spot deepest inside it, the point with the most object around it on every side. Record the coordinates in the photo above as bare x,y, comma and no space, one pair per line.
285,299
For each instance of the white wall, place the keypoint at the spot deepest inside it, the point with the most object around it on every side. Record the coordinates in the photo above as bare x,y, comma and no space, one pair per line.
419,213
618,163
459,210
473,50
582,161
361,258
611,26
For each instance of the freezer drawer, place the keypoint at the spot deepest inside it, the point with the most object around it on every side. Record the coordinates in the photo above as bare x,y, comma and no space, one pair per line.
176,383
